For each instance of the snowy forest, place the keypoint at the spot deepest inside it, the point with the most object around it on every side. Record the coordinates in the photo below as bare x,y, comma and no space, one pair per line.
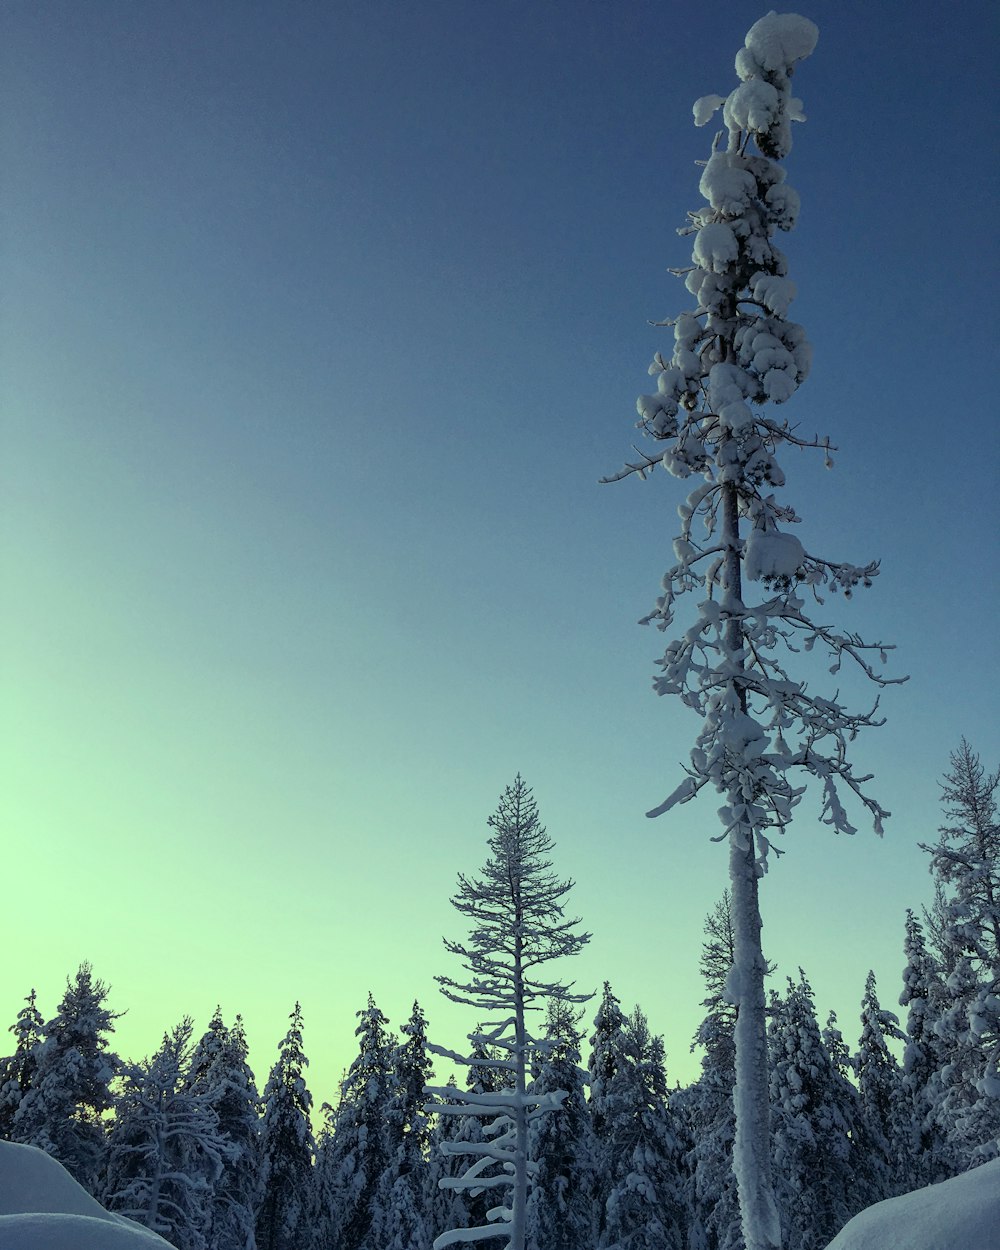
559,1127
187,1142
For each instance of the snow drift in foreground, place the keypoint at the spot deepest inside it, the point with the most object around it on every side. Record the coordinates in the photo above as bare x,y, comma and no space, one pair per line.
960,1214
43,1208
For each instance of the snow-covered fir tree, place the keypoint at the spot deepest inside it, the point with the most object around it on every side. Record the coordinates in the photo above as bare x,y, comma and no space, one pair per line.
641,1204
517,924
879,1081
923,1154
813,1115
966,866
165,1152
605,1060
402,1210
707,1106
219,1072
17,1072
63,1110
562,1211
363,1141
287,1148
735,351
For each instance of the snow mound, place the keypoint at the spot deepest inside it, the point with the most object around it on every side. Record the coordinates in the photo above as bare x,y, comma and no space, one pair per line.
960,1214
43,1208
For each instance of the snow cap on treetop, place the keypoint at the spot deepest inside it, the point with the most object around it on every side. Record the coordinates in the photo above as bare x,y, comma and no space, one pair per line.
775,43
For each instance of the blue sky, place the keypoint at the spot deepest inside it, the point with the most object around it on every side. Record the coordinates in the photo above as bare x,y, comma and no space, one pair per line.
319,328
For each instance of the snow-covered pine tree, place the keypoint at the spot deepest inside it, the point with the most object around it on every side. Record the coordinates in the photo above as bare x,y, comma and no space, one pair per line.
708,1104
879,1083
165,1151
286,1148
17,1073
220,1073
606,1045
362,1144
643,1208
735,351
63,1110
923,1150
402,1218
515,910
812,1118
965,863
561,1204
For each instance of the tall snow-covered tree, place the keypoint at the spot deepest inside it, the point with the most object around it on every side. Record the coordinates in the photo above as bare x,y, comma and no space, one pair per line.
965,863
813,1115
735,351
364,1137
402,1218
63,1110
17,1073
642,1206
517,924
877,1069
165,1152
708,1104
287,1148
922,1144
219,1073
561,1203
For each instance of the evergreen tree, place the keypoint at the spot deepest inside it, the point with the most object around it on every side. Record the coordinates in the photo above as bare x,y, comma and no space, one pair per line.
17,1073
62,1111
402,1218
643,1209
219,1072
605,1060
879,1084
165,1151
364,1141
966,867
812,1122
561,1205
923,1152
286,1148
515,912
734,352
709,1111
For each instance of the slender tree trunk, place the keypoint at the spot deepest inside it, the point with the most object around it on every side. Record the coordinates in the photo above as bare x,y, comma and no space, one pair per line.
752,1146
519,1202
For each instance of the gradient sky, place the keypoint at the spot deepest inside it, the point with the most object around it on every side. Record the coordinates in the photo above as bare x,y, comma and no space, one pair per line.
320,323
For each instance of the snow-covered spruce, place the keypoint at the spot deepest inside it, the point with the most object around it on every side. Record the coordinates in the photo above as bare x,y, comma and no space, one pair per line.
165,1152
287,1147
517,923
62,1110
735,351
965,863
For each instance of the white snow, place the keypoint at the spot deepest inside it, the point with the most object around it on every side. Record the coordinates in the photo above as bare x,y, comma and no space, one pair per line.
43,1208
776,42
771,554
705,108
960,1214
